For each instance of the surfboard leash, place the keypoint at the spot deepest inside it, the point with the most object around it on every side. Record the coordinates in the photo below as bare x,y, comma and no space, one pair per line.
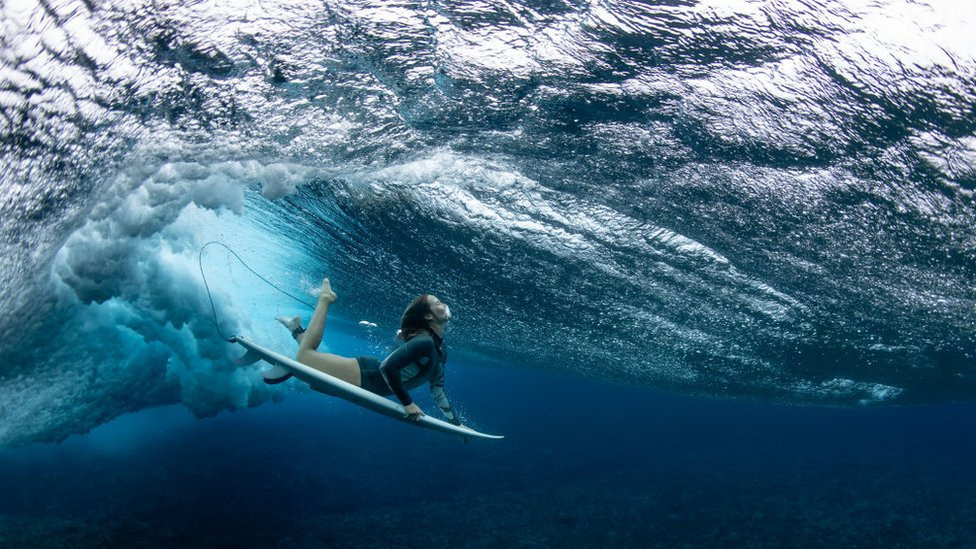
213,307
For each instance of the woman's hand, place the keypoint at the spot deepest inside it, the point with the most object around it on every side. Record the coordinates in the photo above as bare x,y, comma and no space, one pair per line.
414,413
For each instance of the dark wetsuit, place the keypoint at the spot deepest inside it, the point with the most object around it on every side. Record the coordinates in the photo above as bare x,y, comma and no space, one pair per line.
419,360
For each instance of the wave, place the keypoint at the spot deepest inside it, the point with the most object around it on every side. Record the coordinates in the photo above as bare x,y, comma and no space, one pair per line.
769,201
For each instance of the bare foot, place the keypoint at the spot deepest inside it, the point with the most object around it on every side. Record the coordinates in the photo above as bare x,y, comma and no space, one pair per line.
326,294
294,325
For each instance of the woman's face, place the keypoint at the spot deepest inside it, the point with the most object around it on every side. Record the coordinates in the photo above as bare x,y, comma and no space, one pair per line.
442,313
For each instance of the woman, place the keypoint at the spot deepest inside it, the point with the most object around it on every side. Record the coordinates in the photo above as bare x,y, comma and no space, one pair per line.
421,357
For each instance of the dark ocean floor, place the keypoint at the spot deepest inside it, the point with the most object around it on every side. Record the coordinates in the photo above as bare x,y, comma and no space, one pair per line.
691,505
583,465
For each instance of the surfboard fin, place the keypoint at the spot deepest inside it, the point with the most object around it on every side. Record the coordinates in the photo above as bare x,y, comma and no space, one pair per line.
250,357
277,374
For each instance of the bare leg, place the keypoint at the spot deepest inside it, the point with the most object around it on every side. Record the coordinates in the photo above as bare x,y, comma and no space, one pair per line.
344,368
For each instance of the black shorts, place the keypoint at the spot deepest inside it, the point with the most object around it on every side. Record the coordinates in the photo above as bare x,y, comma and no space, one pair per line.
372,379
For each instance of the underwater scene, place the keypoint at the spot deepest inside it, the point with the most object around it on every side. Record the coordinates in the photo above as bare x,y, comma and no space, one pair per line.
710,268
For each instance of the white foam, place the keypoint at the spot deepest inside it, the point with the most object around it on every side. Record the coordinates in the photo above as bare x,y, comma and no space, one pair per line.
846,390
134,324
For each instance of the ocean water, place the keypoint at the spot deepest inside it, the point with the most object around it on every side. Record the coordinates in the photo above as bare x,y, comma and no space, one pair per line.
712,263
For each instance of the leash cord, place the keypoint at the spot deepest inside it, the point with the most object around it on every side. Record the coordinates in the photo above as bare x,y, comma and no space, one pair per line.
213,307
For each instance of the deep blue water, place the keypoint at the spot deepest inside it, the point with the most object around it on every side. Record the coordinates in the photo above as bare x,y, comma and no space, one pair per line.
584,464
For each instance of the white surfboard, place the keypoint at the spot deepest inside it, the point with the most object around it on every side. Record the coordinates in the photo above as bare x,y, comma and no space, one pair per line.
322,381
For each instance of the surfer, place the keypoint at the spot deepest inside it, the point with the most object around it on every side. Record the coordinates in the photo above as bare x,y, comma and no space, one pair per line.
419,359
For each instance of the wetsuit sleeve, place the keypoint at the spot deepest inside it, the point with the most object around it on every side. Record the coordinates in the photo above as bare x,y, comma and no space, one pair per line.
440,398
420,350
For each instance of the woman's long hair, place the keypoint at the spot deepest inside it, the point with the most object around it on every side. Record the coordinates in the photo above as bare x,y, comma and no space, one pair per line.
414,319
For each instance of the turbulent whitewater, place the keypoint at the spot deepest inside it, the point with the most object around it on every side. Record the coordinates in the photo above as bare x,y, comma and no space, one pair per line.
765,200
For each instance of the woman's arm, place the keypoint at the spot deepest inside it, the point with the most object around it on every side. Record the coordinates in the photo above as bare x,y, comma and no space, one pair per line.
440,399
420,350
